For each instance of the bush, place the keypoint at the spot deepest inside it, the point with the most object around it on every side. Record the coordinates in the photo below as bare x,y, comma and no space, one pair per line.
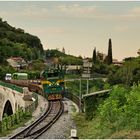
120,110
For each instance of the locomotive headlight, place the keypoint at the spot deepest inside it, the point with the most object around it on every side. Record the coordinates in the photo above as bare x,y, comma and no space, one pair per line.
57,84
50,84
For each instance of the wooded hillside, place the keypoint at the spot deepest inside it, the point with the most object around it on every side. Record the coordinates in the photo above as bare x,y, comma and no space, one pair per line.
16,42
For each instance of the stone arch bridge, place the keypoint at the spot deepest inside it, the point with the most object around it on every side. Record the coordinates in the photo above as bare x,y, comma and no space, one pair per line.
11,100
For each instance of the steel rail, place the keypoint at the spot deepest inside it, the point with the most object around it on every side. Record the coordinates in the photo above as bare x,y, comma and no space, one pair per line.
22,133
27,132
39,132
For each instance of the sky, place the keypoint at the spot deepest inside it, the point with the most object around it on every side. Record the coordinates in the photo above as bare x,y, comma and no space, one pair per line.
79,26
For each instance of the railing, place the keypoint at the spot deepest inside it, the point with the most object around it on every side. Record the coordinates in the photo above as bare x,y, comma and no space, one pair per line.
12,86
75,99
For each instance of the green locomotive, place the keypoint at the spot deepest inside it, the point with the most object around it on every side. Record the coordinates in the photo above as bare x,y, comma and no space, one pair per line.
52,81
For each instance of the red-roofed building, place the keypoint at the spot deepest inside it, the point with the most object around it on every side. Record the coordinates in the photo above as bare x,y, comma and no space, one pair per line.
17,62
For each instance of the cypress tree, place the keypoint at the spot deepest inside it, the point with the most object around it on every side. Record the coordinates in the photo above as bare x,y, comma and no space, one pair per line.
94,56
109,57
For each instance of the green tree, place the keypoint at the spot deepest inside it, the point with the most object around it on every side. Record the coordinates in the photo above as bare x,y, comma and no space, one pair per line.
10,36
38,65
109,56
127,74
94,56
2,54
138,52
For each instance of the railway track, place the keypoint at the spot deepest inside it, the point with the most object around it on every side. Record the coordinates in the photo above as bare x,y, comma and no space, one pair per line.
54,111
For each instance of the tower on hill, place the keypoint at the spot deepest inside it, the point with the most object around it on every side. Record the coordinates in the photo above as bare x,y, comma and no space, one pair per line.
63,50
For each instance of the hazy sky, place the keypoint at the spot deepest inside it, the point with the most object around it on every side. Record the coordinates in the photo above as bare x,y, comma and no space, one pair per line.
79,26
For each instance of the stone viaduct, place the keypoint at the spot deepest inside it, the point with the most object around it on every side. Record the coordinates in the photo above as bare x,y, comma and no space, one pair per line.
11,100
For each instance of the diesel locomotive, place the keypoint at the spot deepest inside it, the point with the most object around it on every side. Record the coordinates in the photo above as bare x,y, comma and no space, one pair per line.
52,81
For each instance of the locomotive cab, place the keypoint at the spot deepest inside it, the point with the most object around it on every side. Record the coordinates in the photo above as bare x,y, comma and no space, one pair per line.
53,84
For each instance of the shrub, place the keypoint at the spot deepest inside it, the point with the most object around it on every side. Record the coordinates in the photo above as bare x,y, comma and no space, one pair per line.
120,110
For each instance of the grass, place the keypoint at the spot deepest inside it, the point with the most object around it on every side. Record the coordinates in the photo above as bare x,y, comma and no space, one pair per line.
94,130
84,128
21,124
129,134
71,76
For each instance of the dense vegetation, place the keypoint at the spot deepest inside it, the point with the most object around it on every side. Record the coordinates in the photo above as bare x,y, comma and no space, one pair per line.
15,42
127,74
102,64
64,59
118,113
116,116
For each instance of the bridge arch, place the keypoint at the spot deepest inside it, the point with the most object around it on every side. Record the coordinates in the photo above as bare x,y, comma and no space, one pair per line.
7,108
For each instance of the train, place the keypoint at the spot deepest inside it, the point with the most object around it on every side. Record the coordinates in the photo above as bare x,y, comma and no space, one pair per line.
16,76
51,84
52,81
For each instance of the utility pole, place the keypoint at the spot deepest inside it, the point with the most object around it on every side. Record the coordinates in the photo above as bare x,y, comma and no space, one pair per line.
80,95
87,86
88,73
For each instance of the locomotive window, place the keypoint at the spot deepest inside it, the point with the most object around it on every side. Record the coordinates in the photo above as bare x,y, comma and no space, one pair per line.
55,74
52,74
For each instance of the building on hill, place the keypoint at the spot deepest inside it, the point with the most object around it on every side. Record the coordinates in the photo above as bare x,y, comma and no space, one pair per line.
87,65
63,50
17,62
117,63
73,69
101,56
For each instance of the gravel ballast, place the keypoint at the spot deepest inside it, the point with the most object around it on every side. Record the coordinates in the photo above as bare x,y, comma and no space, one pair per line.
62,128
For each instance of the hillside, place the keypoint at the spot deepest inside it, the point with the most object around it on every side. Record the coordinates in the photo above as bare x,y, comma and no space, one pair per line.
15,42
64,59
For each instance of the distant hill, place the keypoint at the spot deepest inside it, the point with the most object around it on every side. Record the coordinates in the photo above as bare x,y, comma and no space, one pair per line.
15,42
63,58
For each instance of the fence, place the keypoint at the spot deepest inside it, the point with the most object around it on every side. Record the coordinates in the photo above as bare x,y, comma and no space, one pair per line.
75,99
12,86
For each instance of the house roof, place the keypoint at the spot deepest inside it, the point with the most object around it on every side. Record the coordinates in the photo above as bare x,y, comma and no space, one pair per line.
16,61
